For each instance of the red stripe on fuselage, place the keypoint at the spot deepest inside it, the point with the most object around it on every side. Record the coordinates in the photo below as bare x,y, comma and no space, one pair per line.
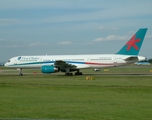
92,63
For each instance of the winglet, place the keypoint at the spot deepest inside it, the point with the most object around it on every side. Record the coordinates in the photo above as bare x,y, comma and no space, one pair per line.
132,47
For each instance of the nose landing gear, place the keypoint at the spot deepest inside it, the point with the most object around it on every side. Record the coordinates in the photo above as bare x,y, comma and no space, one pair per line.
20,71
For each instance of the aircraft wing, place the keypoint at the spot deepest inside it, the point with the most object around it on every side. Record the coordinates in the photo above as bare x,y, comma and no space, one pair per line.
63,64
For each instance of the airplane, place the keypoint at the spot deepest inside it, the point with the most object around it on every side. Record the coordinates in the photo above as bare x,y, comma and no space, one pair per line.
68,63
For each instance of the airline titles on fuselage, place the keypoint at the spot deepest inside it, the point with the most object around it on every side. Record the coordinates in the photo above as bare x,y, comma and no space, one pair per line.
28,58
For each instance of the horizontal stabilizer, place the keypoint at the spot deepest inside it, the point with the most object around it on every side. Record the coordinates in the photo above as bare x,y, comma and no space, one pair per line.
131,59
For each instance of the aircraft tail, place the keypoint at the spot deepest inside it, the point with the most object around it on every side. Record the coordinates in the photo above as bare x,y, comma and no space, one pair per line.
132,47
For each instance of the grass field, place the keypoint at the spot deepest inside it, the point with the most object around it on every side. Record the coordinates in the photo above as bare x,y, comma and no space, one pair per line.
59,97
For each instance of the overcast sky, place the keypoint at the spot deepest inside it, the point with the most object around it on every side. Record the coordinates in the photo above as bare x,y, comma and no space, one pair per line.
39,27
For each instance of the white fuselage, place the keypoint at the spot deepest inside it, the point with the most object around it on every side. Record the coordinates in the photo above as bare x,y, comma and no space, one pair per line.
81,61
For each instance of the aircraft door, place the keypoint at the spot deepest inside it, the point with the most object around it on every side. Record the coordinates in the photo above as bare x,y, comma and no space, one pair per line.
15,62
115,61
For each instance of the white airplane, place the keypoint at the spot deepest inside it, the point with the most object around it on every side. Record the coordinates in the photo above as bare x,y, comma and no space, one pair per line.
69,63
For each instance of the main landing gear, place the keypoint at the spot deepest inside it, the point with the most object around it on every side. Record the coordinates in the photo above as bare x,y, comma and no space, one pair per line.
78,73
71,74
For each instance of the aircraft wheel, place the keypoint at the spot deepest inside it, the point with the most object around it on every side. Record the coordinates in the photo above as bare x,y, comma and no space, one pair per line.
21,74
78,73
71,74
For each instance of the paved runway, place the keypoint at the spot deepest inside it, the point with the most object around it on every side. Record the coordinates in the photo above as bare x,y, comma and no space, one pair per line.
15,72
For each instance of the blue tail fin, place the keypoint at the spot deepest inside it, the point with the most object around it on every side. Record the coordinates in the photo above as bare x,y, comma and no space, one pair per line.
132,47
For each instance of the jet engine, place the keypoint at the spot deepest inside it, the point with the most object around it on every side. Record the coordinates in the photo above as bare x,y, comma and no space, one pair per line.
49,69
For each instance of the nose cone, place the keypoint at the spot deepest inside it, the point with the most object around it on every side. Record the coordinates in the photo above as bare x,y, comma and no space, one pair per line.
5,65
